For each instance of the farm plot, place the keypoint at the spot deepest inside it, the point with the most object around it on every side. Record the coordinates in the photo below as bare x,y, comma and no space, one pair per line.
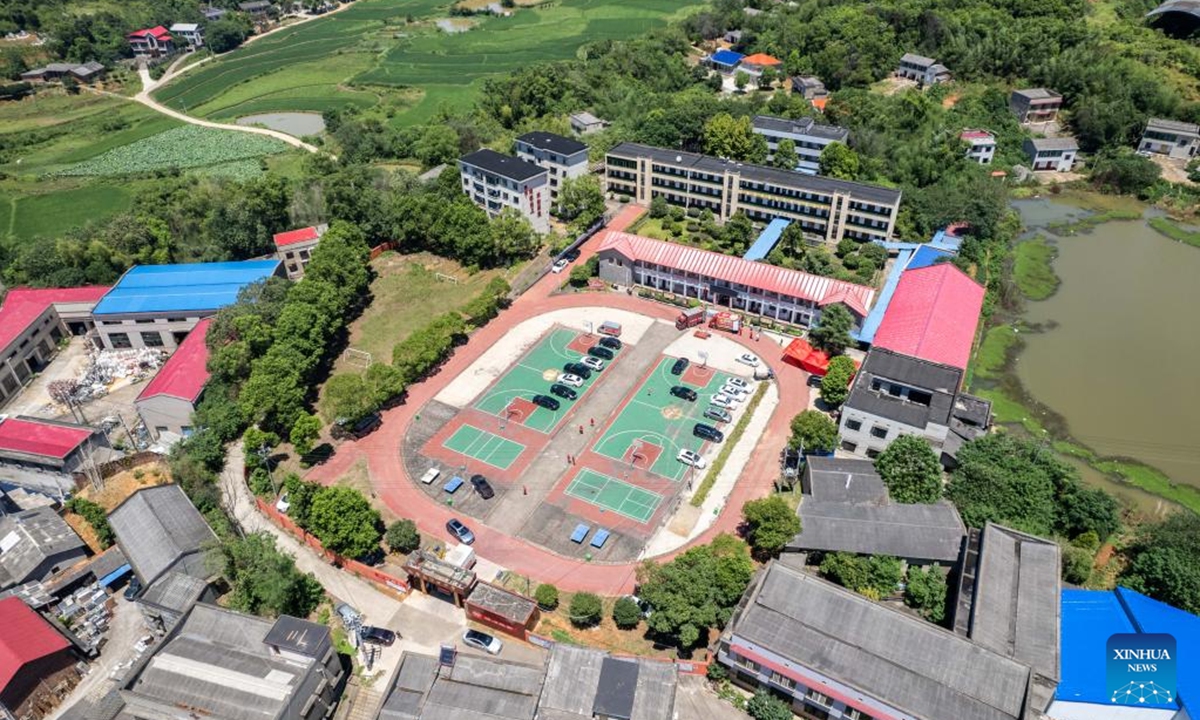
183,148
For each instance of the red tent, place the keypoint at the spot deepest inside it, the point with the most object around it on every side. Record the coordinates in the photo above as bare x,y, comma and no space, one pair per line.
807,357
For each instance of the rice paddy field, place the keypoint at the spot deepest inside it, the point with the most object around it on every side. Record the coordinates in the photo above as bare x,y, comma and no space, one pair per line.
391,53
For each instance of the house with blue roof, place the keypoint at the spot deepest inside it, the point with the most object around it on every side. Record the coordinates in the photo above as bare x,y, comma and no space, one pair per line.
725,61
1089,618
156,306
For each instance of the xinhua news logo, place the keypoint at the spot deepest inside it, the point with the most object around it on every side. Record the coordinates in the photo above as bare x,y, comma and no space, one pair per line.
1141,669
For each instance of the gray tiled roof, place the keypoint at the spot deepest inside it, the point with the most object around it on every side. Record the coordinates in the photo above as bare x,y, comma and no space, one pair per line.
30,537
914,666
1173,126
174,591
504,603
586,118
914,59
513,168
1058,143
577,686
159,529
941,380
474,688
1037,94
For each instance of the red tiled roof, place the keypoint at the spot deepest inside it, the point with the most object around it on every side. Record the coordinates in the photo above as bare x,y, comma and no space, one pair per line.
760,59
291,237
186,372
24,637
761,276
22,306
933,315
158,31
35,437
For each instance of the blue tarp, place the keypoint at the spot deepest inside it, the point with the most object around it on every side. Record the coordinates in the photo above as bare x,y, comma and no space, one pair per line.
767,240
194,287
453,484
600,538
115,575
727,58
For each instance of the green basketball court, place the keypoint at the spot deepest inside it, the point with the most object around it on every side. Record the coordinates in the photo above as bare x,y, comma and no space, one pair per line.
655,425
533,374
615,495
485,447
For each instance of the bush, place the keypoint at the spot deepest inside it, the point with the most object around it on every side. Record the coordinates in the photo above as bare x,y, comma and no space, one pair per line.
546,596
402,536
926,591
1076,565
260,483
716,672
765,706
585,610
95,516
770,524
626,613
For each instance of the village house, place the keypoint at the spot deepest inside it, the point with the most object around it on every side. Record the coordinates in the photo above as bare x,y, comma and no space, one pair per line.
724,61
33,321
1035,105
758,62
811,89
151,42
1054,154
45,455
925,71
981,145
85,73
213,13
562,157
34,545
809,137
585,123
768,291
192,33
256,9
1176,140
294,248
34,659
827,209
496,182
167,402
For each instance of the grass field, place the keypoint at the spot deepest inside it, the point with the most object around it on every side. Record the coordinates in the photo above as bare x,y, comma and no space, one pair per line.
53,213
612,494
1032,270
369,53
656,418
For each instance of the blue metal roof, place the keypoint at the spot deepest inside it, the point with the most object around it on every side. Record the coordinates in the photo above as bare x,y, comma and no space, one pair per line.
113,576
767,240
1089,617
927,255
195,287
726,57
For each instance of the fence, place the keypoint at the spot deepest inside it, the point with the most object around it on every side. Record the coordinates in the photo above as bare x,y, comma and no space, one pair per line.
682,667
388,583
112,467
381,249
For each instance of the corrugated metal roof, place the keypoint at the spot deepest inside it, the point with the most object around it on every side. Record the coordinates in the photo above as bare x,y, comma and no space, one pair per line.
194,287
291,237
933,315
22,306
186,373
38,437
760,276
24,637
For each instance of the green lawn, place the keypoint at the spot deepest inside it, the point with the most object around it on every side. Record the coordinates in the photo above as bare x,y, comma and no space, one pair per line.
993,351
56,212
1170,229
1032,270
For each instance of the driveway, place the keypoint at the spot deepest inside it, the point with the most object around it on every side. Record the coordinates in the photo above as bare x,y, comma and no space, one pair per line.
116,656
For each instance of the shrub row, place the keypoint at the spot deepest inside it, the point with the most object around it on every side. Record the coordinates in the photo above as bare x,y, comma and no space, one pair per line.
711,478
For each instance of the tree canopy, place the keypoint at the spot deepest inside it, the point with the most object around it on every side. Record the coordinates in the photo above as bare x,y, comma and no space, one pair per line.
1162,562
911,471
770,524
344,521
814,431
832,332
265,581
835,385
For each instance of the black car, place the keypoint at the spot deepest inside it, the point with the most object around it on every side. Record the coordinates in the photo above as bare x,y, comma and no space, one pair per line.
708,432
611,343
563,391
680,365
344,430
377,635
571,255
579,369
133,588
545,401
483,487
601,352
686,393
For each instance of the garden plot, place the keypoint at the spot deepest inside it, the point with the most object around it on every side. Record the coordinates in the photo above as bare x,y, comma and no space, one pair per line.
184,148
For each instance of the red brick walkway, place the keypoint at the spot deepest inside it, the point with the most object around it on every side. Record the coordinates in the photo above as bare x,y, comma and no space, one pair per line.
401,495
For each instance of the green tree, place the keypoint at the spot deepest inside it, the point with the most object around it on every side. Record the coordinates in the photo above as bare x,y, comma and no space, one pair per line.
767,78
344,521
1076,564
437,144
300,499
697,590
874,576
765,706
839,161
347,398
925,590
734,138
626,613
585,610
832,333
814,431
785,157
546,596
1085,510
402,536
227,33
305,430
770,524
911,471
513,237
580,201
264,581
659,207
1162,562
1123,171
741,80
835,386
95,516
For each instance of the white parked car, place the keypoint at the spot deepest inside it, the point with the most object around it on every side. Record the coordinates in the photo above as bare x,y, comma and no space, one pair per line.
722,401
283,505
748,359
560,265
738,382
483,641
569,379
594,363
735,392
691,457
430,475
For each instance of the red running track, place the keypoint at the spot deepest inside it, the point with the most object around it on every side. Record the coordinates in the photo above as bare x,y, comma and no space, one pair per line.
400,494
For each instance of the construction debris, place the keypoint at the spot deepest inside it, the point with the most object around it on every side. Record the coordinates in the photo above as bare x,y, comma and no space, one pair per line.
104,368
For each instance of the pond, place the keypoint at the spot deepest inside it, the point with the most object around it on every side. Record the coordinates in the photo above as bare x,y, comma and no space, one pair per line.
292,123
1117,343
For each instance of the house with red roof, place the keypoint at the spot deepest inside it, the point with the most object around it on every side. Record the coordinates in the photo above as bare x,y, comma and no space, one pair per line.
756,63
34,658
934,315
294,248
46,454
151,42
167,402
767,291
981,145
32,323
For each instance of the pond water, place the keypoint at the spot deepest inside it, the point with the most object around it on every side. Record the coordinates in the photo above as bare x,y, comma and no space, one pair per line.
1119,342
292,123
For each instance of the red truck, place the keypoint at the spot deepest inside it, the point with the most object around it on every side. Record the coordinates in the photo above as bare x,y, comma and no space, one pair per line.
727,321
689,318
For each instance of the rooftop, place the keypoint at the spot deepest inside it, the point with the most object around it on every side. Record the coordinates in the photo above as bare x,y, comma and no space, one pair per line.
474,688
726,57
875,651
1037,94
22,306
174,591
184,27
159,529
190,288
158,31
977,136
1173,126
914,59
846,508
291,237
761,59
933,315
586,118
27,538
793,283
508,605
582,683
553,143
1049,144
24,637
507,166
859,192
185,373
767,239
802,126
941,381
39,438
